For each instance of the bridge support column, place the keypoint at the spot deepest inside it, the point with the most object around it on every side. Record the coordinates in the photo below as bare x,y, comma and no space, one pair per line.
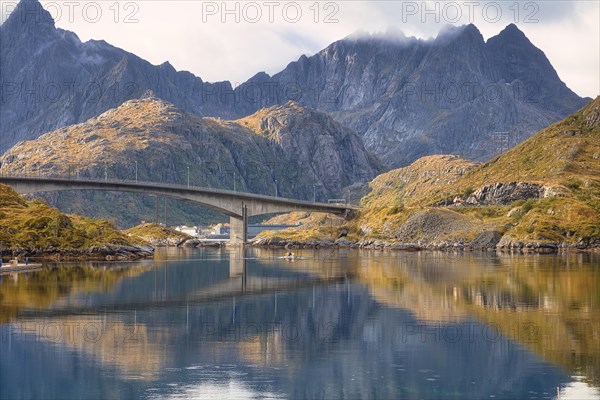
237,262
239,228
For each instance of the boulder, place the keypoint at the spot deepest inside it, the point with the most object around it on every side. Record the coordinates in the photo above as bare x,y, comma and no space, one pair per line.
486,240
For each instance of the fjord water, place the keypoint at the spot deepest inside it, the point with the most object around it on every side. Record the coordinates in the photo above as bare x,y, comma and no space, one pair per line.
228,323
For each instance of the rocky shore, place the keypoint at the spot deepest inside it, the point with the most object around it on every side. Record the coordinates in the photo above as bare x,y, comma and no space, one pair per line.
491,241
494,242
165,242
105,252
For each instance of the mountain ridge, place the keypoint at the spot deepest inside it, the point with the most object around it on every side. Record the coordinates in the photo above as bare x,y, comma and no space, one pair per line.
289,151
398,94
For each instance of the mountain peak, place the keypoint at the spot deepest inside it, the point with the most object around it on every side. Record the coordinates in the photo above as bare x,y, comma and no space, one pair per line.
470,28
453,30
167,66
512,36
513,30
515,58
464,33
30,13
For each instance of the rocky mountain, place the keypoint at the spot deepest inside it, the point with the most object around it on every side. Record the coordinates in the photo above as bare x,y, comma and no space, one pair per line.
409,98
51,79
406,97
289,150
543,194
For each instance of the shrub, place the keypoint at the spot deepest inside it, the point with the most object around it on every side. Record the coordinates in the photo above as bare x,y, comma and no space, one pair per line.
468,191
395,209
527,206
574,185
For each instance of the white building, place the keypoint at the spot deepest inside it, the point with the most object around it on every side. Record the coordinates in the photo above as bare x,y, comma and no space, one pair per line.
190,230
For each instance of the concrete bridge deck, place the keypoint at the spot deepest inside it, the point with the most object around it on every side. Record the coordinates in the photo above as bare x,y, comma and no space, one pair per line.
237,205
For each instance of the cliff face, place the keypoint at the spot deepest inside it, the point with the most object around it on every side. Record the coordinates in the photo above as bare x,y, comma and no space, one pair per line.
409,98
289,149
406,97
333,153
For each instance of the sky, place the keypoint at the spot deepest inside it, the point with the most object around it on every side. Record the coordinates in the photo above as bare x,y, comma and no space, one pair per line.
234,40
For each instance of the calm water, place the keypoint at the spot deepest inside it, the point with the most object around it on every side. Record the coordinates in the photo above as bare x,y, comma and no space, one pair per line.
342,324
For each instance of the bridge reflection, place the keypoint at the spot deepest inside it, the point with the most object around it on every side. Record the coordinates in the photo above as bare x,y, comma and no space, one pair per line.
238,281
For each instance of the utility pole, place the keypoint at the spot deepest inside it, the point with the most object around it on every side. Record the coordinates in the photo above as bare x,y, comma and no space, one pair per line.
136,169
500,141
314,193
276,192
188,177
331,226
156,216
165,211
234,181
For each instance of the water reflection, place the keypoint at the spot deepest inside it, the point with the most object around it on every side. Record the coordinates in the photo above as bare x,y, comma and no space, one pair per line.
333,325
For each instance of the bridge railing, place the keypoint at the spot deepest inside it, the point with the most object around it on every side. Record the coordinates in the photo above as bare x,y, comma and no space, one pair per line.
164,185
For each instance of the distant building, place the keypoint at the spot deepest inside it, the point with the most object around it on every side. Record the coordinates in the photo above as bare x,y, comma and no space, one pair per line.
221,229
189,230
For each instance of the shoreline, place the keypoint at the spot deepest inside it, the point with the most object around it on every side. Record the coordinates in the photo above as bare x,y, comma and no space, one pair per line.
96,253
132,253
515,247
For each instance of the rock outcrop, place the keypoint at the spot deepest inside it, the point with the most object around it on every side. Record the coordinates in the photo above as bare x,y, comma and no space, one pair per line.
506,193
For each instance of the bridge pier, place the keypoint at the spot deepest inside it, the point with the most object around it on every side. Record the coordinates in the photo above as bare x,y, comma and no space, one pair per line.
237,263
239,228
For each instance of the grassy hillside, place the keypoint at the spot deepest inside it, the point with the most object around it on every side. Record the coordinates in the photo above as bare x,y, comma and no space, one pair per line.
34,225
396,194
566,155
434,199
312,228
422,179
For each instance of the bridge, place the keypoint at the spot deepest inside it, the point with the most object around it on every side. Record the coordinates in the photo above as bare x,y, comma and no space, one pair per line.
239,206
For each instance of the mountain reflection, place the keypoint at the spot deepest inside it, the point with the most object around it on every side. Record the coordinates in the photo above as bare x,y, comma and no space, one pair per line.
54,284
332,325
